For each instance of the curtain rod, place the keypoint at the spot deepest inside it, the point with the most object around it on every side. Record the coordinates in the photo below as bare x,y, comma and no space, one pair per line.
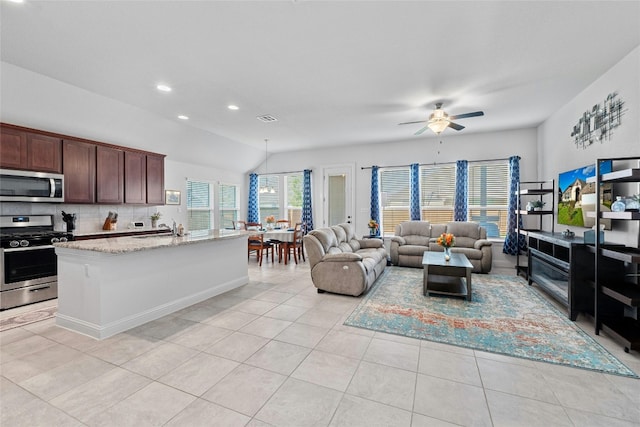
434,163
284,173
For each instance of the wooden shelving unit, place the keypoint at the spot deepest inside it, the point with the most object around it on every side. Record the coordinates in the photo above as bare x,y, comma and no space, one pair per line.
617,297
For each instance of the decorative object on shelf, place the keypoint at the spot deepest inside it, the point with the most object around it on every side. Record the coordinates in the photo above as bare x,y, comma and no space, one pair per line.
154,219
270,220
537,205
172,197
446,240
619,205
598,123
568,234
632,203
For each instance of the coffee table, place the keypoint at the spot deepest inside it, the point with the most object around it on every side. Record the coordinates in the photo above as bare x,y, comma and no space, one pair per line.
451,277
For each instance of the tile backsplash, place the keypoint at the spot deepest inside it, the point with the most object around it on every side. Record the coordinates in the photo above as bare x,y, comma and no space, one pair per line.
90,218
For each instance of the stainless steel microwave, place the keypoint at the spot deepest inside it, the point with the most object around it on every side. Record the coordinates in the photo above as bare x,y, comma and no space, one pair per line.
27,186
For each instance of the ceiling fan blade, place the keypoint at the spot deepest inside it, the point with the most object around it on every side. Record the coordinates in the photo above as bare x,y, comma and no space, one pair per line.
421,130
465,115
455,126
412,123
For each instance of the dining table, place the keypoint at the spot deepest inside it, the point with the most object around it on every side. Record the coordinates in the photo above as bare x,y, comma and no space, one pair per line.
281,235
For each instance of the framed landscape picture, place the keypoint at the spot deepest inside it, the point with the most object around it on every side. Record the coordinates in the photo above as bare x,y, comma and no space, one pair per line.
172,197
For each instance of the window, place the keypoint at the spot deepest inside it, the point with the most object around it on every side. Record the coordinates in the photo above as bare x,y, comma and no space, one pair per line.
294,198
269,203
437,193
489,195
199,207
228,205
394,198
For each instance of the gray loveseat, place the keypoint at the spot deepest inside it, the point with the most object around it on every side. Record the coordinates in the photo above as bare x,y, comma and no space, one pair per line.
413,238
341,263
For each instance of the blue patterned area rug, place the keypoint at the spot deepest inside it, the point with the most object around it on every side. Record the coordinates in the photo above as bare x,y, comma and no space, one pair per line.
504,316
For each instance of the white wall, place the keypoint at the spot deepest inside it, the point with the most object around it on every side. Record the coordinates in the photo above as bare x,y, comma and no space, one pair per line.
37,101
446,148
558,153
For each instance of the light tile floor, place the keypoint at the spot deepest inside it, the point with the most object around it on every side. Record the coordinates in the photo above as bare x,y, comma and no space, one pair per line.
275,352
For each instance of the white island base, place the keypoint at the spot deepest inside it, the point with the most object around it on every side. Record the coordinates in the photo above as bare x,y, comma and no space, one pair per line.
104,291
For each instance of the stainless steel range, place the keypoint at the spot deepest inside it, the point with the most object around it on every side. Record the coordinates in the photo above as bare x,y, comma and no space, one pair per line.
28,260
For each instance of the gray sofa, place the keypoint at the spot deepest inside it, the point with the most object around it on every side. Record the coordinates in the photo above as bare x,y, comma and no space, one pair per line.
341,263
413,238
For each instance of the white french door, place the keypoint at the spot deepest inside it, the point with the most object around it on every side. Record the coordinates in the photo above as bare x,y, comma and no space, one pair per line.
337,195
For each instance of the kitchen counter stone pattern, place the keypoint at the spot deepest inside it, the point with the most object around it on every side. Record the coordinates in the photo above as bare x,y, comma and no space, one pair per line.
117,245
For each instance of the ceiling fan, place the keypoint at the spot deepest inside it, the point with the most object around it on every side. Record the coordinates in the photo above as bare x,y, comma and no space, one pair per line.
439,120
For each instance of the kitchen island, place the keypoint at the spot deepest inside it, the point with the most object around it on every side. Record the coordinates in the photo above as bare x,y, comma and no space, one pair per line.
107,286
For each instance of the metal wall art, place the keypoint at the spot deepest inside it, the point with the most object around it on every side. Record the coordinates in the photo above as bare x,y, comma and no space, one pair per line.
598,123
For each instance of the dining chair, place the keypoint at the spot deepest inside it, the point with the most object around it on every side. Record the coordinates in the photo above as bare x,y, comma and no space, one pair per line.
257,243
252,225
282,223
239,225
295,245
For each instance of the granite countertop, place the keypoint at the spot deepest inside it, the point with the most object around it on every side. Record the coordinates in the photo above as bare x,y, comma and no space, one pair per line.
121,231
119,245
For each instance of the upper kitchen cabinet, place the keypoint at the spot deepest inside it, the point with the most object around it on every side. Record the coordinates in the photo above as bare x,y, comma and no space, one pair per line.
109,175
30,151
135,177
79,171
155,179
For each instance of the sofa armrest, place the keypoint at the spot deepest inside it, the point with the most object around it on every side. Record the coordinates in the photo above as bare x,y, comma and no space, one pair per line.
345,256
399,240
371,243
480,243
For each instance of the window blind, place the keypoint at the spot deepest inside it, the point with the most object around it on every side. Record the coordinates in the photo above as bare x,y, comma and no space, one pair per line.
489,195
394,192
228,204
199,205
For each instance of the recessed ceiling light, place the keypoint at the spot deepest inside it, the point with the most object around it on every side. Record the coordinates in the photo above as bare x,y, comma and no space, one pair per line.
16,1
181,117
233,107
164,88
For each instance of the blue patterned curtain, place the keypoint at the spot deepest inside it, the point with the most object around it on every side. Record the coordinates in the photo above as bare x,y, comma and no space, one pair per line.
307,213
253,211
375,195
513,242
414,190
462,192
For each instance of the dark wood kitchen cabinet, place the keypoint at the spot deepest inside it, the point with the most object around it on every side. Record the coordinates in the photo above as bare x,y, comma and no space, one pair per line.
79,171
30,151
135,177
155,180
109,175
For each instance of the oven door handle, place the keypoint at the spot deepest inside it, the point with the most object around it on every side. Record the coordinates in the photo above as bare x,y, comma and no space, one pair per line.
40,288
28,248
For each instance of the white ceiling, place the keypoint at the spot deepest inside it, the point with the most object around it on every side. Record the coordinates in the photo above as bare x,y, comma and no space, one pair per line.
333,73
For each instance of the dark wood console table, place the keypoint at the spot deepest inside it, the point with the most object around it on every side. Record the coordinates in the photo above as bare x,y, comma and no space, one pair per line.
564,268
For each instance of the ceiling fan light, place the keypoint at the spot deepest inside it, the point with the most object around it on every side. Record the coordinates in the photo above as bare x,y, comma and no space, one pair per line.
438,125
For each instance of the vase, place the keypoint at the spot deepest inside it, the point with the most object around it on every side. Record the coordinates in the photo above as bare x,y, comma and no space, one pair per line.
447,254
154,223
372,232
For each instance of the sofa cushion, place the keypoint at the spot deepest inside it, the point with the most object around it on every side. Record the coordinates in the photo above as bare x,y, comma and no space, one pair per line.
438,229
326,237
341,236
469,252
376,255
464,242
415,240
464,229
417,228
417,250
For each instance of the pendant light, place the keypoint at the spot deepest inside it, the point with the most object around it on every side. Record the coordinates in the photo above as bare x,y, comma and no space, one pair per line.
266,188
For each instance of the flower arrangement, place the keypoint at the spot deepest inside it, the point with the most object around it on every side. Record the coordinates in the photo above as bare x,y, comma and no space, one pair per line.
373,224
156,216
270,219
446,240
